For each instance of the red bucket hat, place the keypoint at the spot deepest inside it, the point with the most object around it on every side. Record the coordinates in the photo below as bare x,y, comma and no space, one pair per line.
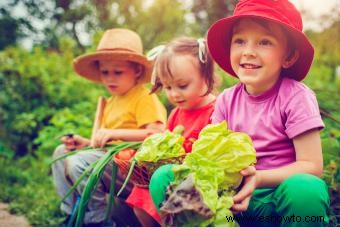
278,11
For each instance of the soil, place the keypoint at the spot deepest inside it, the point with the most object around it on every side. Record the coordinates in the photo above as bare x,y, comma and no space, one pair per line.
10,220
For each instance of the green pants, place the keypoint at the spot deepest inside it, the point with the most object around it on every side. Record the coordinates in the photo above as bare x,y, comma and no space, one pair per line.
300,200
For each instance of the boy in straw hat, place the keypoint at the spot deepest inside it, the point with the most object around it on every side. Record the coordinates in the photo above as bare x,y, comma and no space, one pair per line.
262,44
131,114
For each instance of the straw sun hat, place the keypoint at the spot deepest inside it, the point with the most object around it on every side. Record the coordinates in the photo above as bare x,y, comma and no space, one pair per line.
116,44
278,11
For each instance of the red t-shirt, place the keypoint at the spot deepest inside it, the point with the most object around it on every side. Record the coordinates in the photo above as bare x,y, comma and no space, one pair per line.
193,122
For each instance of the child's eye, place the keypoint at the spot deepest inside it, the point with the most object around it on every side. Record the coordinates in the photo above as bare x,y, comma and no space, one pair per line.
167,88
265,42
104,72
118,72
238,41
183,86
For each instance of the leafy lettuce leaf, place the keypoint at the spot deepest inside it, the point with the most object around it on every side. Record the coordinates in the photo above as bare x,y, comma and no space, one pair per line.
161,146
216,159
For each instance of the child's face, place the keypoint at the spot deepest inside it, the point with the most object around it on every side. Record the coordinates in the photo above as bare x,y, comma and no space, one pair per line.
257,54
118,76
187,87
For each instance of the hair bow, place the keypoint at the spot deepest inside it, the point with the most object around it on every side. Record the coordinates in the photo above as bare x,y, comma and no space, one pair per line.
154,52
202,52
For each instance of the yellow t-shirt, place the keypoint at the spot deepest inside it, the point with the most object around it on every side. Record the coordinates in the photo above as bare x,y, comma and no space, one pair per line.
133,110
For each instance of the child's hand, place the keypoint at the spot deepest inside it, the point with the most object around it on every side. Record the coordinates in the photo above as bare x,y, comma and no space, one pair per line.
74,142
242,198
102,137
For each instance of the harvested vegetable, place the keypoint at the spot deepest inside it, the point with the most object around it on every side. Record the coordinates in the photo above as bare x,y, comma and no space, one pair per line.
213,166
95,176
161,146
158,149
126,154
185,199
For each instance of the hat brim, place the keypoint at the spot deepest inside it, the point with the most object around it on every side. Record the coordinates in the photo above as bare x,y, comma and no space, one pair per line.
87,65
219,39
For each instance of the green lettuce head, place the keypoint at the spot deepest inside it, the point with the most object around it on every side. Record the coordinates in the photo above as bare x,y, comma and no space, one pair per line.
161,146
214,164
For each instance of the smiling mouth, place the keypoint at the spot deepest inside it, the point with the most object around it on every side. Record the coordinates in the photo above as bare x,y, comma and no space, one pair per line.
249,66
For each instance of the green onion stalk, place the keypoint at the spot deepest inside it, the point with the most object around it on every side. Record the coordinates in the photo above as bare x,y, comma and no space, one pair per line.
96,175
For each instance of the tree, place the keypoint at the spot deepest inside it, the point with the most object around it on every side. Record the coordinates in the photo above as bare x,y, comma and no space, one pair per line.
207,12
155,21
8,32
11,29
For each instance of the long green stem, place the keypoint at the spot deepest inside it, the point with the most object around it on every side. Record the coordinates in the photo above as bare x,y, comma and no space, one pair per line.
81,177
96,175
70,153
111,202
85,149
133,163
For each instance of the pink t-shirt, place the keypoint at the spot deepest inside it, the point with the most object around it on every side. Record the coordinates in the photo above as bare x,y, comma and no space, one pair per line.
271,119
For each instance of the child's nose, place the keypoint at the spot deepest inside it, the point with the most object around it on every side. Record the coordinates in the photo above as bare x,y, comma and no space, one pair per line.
249,50
110,77
174,93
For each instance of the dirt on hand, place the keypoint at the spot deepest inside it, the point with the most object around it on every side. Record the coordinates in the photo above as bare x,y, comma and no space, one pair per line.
10,220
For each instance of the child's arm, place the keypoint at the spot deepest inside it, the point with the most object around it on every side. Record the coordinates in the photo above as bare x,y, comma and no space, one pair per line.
308,160
103,136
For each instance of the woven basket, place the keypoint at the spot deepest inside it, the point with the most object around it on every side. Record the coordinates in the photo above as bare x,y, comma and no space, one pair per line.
143,171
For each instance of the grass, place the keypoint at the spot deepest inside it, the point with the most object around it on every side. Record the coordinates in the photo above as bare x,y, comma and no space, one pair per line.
26,185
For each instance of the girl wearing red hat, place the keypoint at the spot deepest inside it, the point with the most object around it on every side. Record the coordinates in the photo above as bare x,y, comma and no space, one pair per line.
262,45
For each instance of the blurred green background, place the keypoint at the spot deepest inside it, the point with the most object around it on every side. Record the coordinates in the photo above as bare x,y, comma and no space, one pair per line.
41,98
